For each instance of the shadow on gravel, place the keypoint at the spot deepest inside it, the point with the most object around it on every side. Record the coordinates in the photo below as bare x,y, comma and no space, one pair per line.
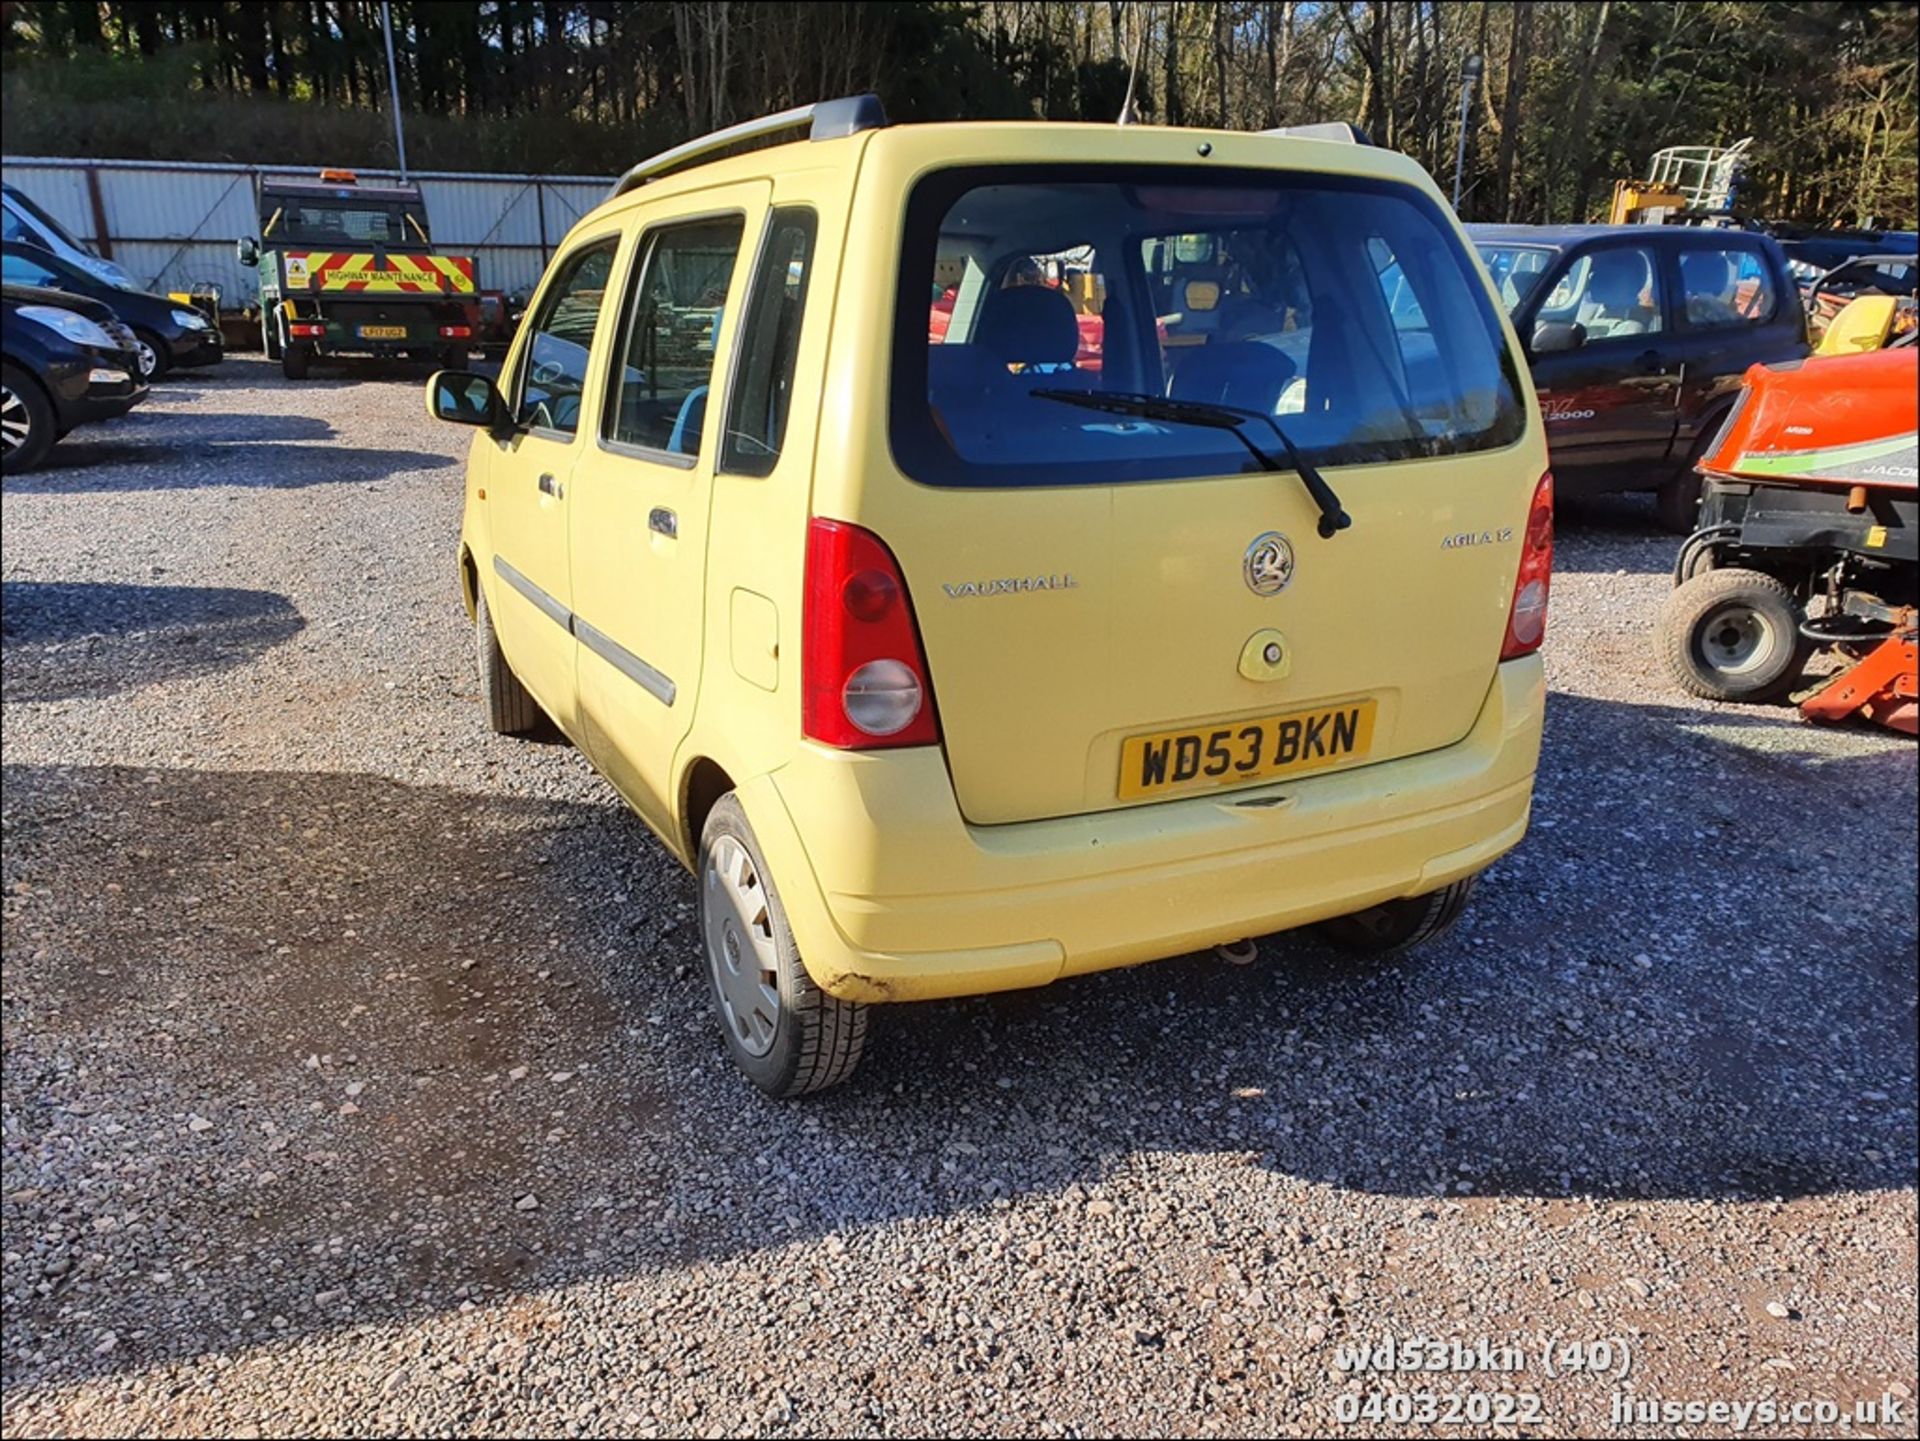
101,460
64,640
1618,515
286,1052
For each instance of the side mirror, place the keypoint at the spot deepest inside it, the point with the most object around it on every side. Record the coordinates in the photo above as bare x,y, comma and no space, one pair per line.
247,251
463,398
1555,335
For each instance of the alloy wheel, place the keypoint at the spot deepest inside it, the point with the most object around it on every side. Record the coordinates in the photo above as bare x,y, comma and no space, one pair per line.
16,421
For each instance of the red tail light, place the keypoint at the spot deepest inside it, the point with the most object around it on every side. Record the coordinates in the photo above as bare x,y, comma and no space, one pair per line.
455,332
303,329
864,683
1527,616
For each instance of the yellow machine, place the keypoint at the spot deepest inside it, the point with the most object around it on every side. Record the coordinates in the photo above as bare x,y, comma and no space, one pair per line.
956,652
1691,181
1638,202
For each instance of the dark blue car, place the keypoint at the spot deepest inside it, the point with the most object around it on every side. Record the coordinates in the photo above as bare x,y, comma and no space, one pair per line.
1637,336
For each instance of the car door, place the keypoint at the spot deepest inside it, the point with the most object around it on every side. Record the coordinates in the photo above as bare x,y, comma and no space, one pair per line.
1732,311
530,473
1610,399
642,499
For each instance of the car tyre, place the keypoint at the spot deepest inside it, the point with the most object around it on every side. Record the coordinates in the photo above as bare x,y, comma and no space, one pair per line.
788,1036
1676,505
296,359
452,357
1733,635
154,357
1394,927
511,708
27,421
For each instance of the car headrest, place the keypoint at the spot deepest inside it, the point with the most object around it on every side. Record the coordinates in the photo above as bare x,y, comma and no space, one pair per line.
1618,278
1241,373
1029,325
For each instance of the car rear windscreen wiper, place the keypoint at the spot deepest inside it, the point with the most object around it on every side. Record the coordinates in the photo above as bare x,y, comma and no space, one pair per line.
1231,418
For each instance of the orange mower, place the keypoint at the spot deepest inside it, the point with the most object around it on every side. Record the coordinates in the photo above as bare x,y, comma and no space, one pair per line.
1806,543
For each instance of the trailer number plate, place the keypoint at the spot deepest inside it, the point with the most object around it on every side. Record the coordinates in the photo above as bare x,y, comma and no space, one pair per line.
383,332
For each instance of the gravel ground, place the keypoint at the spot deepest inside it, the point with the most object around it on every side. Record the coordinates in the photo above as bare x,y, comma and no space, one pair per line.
359,1077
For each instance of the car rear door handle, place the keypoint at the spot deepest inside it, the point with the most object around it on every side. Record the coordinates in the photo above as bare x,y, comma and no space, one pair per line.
1652,362
550,486
663,522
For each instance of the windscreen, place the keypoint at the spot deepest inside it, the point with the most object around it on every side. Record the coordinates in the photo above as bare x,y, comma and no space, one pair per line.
46,221
1345,311
1517,271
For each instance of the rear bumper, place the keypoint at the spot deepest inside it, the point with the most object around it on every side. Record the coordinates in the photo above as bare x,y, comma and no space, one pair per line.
893,896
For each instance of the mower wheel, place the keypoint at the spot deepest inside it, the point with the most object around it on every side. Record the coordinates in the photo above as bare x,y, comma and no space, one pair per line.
1733,635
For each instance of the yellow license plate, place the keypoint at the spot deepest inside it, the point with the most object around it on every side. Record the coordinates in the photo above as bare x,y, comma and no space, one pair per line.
1250,750
383,332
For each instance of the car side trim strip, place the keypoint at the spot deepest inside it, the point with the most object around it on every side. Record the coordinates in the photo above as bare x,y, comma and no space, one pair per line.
659,686
548,606
625,661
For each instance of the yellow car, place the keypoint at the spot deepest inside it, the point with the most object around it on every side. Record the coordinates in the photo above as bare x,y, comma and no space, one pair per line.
987,553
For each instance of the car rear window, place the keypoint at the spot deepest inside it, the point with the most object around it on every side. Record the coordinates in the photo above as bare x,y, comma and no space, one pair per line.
1344,310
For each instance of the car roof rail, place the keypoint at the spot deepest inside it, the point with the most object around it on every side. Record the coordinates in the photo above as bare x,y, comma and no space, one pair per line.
1337,131
823,120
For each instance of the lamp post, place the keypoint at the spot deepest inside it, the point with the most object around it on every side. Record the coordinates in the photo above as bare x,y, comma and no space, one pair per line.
393,90
1469,73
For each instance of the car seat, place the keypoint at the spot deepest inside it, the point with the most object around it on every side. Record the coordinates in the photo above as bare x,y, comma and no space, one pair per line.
1029,326
1241,373
1612,304
1708,279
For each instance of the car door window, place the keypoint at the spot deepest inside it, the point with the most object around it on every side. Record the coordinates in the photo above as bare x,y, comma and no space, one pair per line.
18,270
554,370
658,400
769,343
1612,293
1725,285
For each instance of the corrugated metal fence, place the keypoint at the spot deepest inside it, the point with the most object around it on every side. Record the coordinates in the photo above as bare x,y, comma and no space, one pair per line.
172,224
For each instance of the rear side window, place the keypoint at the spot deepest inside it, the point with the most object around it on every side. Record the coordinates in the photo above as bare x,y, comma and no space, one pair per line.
658,399
1344,309
553,371
1722,286
762,390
